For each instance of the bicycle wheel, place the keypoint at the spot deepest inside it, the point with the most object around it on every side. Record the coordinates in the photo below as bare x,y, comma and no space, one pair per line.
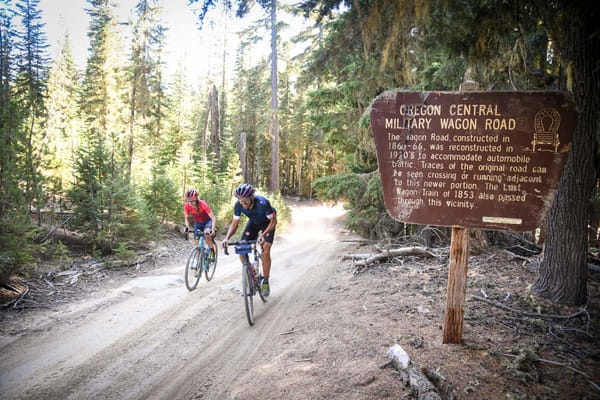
212,265
192,270
248,294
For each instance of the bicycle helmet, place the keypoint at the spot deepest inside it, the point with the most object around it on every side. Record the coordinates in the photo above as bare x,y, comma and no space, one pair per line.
244,190
192,194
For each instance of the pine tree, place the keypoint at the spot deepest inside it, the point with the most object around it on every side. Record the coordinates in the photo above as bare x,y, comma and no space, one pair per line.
270,6
147,99
161,196
103,199
30,90
14,211
62,128
10,117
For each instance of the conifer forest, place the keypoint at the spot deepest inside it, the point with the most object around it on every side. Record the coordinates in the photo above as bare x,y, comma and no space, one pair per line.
101,155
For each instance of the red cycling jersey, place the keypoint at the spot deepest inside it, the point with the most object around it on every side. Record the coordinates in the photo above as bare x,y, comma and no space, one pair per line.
200,214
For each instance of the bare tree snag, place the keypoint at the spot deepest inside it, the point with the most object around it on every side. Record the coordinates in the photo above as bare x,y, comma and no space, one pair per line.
215,141
242,148
274,103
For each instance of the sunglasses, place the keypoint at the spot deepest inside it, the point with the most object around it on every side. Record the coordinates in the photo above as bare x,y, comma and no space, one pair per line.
245,201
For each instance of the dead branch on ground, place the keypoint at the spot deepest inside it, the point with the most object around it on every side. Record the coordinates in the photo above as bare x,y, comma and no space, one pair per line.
520,257
364,260
13,288
581,312
585,375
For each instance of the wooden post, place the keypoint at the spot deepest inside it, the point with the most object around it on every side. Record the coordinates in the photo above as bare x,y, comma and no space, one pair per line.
397,123
457,270
457,285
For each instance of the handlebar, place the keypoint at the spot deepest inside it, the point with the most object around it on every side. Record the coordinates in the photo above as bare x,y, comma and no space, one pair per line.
188,231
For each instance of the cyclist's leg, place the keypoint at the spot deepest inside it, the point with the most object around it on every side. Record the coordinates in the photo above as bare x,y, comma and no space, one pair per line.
250,233
197,232
207,236
266,261
266,254
211,261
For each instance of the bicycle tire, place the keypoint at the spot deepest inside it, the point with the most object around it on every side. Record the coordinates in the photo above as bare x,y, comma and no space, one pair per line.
193,270
212,265
248,294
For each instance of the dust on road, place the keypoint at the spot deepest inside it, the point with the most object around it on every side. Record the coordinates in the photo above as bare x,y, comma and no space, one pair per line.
323,334
152,339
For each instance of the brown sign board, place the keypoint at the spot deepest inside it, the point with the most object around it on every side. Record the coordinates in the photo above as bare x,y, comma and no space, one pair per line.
488,160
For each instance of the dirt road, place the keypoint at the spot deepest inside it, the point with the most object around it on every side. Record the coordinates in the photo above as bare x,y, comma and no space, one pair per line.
323,334
152,339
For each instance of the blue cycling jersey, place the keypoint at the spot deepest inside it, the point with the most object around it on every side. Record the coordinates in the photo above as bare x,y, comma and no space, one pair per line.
260,213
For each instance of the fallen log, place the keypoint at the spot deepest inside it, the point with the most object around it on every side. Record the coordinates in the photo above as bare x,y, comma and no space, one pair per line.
12,289
140,259
412,375
70,238
364,260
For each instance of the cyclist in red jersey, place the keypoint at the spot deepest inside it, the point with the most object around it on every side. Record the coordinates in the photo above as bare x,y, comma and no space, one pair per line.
204,220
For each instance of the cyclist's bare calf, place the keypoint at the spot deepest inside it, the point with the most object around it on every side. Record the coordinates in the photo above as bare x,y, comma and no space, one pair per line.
266,258
209,234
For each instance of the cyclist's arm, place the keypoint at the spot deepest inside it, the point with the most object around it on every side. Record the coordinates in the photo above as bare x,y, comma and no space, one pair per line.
271,226
214,220
232,229
187,220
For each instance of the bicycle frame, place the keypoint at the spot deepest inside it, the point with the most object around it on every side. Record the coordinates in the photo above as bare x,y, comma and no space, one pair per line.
199,262
251,274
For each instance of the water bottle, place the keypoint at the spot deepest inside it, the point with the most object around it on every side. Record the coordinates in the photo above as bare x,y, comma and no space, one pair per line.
207,250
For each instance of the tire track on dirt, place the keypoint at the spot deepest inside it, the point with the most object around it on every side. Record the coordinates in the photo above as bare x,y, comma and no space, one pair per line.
156,342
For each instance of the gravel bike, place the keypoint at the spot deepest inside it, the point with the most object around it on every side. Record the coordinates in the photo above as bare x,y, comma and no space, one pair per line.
201,260
251,274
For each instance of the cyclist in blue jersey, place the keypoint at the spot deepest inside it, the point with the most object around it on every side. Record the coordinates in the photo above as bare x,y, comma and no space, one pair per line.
262,219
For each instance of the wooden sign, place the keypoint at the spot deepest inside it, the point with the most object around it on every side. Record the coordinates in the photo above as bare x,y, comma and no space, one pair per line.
488,160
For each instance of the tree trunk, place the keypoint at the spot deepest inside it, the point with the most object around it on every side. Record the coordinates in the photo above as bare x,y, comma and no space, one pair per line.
299,157
243,154
563,271
223,102
274,103
214,121
202,135
130,140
